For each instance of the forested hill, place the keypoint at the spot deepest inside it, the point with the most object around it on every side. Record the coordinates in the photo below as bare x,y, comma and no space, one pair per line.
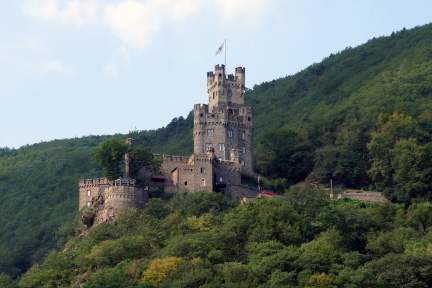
367,108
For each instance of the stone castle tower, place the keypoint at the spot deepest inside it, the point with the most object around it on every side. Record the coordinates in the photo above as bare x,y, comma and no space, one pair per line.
223,135
225,124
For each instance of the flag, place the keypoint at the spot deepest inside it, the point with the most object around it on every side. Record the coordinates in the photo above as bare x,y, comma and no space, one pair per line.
220,49
259,184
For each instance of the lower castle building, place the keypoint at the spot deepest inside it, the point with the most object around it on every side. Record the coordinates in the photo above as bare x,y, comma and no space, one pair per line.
223,142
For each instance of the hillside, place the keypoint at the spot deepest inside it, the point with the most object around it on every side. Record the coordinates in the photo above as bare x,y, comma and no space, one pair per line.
335,119
301,239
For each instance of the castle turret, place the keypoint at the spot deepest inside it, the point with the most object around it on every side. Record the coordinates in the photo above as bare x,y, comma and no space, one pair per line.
225,90
225,123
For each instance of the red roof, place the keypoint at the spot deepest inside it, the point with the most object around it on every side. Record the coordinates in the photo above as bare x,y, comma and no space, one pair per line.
269,192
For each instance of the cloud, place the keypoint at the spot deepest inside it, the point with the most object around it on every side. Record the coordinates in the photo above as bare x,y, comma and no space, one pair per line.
134,22
55,67
121,56
78,12
137,22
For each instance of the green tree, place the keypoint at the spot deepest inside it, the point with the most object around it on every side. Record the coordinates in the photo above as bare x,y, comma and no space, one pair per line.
110,155
396,144
286,154
140,156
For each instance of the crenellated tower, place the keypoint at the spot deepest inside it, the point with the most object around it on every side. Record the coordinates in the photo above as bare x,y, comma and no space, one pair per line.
225,123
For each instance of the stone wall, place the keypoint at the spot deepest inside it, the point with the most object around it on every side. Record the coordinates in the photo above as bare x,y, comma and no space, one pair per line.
125,197
239,192
375,197
91,188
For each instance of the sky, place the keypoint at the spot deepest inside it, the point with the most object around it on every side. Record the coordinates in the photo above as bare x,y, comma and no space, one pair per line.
73,68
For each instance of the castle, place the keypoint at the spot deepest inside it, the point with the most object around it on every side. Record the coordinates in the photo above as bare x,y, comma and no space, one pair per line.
223,150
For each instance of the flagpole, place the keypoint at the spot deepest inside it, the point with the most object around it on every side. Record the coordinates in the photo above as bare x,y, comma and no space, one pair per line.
225,57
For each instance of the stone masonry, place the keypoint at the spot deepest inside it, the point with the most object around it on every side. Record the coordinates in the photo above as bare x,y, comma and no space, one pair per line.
223,135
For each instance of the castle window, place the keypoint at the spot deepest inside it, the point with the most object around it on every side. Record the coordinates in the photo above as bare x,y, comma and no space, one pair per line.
242,163
243,149
88,193
185,183
221,146
210,132
243,135
230,133
209,145
202,182
249,119
203,170
88,203
201,115
229,93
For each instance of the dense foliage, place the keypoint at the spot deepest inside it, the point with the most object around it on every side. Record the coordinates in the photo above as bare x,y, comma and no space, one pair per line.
38,188
301,239
362,118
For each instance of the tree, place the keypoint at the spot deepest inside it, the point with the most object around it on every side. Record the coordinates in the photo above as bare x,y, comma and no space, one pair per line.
398,155
110,155
140,156
287,155
159,269
320,281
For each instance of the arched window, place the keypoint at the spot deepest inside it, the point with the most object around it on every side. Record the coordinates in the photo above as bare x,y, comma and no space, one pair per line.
202,182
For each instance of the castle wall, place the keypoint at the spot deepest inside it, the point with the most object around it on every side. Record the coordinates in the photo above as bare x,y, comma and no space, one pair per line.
91,188
374,197
182,174
223,135
125,197
229,130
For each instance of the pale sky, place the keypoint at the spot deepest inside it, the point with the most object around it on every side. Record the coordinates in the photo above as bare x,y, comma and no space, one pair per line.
92,67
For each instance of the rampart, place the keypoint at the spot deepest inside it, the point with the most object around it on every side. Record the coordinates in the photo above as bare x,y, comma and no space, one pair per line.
374,197
124,197
90,188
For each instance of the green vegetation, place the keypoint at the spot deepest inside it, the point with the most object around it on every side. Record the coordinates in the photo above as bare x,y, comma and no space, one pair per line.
110,155
203,240
362,118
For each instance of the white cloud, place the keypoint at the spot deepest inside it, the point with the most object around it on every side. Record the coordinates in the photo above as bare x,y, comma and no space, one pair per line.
136,22
55,67
121,56
78,12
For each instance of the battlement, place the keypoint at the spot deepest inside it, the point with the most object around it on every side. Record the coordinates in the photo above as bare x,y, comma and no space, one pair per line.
172,158
219,75
124,197
201,107
85,183
228,165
